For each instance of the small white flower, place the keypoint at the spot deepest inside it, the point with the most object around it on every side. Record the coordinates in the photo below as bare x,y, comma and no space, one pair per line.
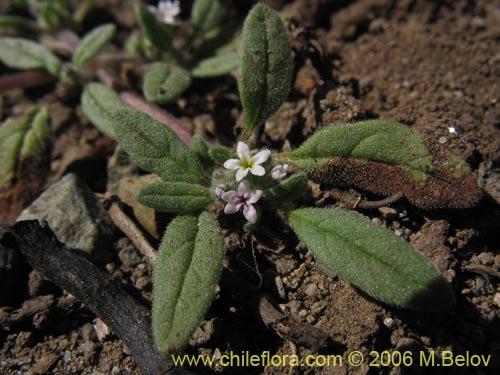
452,130
166,11
279,171
247,163
244,197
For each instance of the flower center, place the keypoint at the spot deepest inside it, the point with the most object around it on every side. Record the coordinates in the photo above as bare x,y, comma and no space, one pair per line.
246,163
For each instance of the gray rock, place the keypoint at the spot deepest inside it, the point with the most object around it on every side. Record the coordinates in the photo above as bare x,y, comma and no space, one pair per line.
75,215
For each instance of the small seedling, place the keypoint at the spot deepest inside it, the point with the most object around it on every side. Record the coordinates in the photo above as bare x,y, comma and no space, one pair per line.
253,185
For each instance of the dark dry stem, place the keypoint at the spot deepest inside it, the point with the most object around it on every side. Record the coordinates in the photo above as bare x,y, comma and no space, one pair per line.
127,226
138,103
128,319
22,80
355,202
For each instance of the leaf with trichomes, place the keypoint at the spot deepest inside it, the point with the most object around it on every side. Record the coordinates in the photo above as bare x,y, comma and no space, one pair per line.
372,258
175,197
156,32
215,66
265,65
207,14
165,82
22,139
92,43
156,148
99,103
187,270
21,53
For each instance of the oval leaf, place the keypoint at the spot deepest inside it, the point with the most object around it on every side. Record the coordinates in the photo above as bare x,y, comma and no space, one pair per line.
21,53
165,82
387,158
186,273
176,197
215,66
155,147
156,32
266,65
372,258
207,14
21,139
98,104
92,43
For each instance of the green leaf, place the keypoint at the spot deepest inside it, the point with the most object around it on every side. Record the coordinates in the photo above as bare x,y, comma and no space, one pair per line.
98,103
289,190
92,43
215,66
220,154
157,33
372,258
266,65
376,140
165,82
18,23
187,270
21,53
155,148
21,139
207,14
200,148
176,197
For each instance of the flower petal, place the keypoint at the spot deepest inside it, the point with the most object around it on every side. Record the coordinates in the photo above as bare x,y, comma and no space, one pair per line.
243,151
232,164
241,174
243,188
253,197
258,170
261,156
230,196
250,213
232,208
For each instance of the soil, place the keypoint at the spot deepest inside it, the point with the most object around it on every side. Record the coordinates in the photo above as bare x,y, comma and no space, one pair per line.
433,65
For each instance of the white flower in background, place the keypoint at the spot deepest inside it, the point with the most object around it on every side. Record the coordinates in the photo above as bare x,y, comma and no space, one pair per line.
245,198
279,171
247,163
166,11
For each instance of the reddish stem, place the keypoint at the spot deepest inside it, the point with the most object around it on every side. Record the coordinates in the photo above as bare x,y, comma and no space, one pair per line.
30,78
140,104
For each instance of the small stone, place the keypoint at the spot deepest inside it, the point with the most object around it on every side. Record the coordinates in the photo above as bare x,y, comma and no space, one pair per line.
294,306
102,330
311,290
318,307
388,212
88,333
75,215
311,319
143,283
389,322
486,258
496,299
442,140
302,313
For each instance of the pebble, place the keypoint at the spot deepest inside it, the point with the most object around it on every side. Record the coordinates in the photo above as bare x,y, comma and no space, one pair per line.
389,322
496,299
311,290
388,212
486,258
75,215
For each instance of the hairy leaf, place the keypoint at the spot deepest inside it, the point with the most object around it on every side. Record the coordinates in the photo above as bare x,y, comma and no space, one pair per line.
17,22
155,147
215,66
220,154
176,197
22,139
288,190
165,82
200,148
21,53
265,65
186,273
372,258
98,103
207,14
92,43
156,32
386,158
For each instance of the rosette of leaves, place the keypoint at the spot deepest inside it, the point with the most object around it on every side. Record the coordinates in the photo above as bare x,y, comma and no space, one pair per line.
210,46
190,260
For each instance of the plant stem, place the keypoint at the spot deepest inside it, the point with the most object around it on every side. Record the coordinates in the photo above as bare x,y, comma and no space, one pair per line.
22,80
